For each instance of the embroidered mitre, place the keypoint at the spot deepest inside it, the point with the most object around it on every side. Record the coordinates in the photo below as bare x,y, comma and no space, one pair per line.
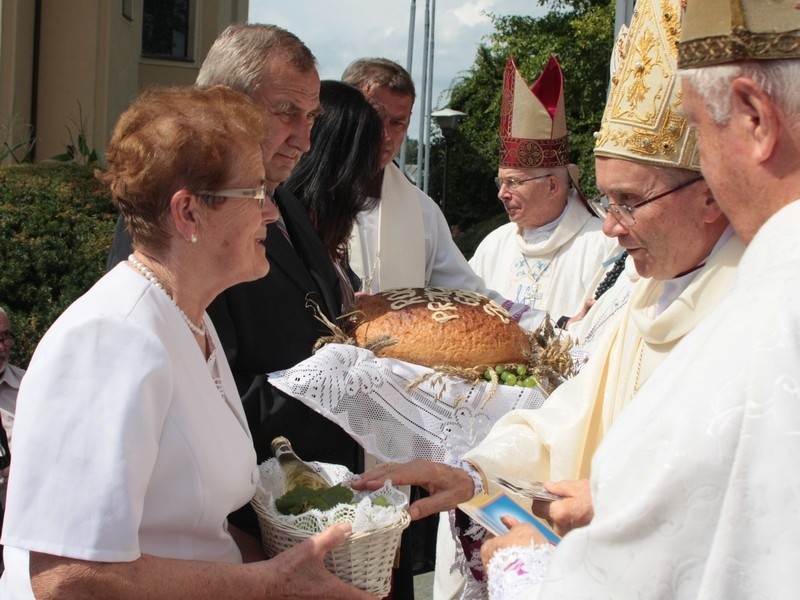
642,120
533,121
722,31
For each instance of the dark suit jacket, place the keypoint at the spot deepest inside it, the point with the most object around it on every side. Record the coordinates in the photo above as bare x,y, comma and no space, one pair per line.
268,325
120,245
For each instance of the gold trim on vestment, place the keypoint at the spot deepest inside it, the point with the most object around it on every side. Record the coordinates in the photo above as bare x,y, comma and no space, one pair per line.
739,45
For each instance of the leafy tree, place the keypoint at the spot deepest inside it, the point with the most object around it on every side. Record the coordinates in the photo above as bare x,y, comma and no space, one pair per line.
580,33
575,5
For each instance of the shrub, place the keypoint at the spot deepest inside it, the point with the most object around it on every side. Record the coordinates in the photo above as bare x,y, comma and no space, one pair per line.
56,225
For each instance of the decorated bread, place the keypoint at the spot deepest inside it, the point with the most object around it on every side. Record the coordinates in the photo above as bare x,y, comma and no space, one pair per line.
438,326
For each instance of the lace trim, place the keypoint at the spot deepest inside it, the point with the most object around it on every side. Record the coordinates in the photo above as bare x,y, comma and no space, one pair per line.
470,536
608,312
516,571
477,480
474,589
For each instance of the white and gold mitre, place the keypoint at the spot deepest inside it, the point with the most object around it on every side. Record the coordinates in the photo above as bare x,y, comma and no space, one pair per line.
641,121
722,31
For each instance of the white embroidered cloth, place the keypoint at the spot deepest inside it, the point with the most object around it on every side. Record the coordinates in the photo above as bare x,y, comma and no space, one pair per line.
371,398
515,572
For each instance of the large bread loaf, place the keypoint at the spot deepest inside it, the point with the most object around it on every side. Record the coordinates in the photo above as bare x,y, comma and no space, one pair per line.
438,326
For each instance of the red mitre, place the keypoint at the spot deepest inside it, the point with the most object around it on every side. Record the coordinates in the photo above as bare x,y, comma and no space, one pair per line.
533,122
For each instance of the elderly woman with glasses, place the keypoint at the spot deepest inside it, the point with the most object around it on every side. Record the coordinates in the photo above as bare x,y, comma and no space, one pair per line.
131,445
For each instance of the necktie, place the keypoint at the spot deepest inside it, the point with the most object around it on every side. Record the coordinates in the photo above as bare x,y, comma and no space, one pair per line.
282,228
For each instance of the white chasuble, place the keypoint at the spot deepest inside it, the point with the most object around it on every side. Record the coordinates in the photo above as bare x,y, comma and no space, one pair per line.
552,268
391,253
696,486
559,440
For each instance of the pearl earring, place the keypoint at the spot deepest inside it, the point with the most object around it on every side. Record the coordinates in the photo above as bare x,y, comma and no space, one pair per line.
193,238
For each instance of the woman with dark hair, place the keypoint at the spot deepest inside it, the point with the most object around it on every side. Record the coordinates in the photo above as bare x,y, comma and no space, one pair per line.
341,175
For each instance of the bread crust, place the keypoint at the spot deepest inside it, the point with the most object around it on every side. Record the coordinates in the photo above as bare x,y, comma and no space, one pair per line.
439,326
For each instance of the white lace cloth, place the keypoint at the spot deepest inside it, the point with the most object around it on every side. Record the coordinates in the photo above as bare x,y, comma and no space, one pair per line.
515,572
373,400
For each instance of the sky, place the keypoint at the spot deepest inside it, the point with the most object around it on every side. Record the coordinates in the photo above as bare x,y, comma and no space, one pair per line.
339,31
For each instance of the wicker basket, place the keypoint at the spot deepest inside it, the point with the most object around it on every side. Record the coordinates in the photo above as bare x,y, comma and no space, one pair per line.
364,560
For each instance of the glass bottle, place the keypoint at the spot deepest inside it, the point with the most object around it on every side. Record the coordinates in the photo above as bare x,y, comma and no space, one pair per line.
296,473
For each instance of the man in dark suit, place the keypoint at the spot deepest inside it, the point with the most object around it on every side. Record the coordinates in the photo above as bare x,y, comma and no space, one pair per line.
270,324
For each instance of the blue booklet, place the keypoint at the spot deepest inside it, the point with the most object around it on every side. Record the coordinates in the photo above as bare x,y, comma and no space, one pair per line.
487,511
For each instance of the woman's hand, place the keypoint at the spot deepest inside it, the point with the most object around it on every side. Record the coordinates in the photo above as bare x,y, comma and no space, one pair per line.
447,486
297,573
520,534
575,510
301,572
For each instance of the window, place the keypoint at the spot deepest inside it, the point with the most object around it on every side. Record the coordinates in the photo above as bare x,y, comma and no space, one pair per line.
127,9
166,29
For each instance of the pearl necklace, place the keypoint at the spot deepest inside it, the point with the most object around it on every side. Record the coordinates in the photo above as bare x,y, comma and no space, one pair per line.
151,277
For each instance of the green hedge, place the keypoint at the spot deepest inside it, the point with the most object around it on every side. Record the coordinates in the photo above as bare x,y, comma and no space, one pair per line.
56,225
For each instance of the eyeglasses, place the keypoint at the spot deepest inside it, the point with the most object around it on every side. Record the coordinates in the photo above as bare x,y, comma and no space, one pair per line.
512,183
260,194
7,339
623,213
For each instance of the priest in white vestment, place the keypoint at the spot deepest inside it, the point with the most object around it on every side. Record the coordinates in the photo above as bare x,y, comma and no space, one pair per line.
695,487
551,254
406,241
656,204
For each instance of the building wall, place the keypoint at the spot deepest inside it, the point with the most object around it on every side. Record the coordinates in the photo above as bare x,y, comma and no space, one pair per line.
90,65
215,15
70,75
16,65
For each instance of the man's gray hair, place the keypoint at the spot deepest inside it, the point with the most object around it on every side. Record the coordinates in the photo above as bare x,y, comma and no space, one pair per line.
236,58
369,73
778,78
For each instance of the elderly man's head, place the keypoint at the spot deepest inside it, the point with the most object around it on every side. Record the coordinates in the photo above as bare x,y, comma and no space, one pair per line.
752,111
740,93
533,197
278,71
666,218
654,200
390,89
